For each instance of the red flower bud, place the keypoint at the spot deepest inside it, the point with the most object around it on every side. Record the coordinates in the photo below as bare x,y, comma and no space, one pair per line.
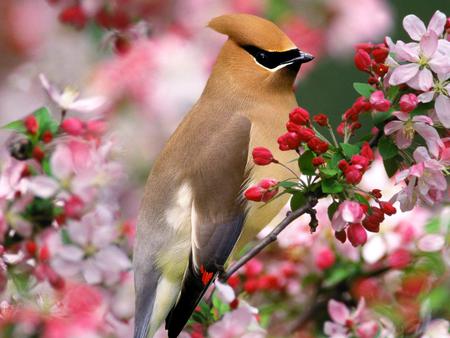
340,128
74,16
72,126
38,154
31,124
321,120
355,125
387,208
263,191
380,69
361,104
47,136
262,156
316,161
366,46
399,259
341,236
364,207
380,54
292,127
447,23
251,286
357,235
376,193
122,45
325,259
362,60
360,162
408,102
73,207
379,102
378,214
343,165
367,151
44,254
31,247
353,175
288,141
371,223
317,145
351,114
96,127
372,80
299,116
253,267
305,134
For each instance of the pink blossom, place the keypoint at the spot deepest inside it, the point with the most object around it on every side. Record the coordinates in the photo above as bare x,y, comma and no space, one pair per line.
416,28
406,126
431,242
68,99
437,328
236,324
440,92
427,182
379,102
348,212
342,318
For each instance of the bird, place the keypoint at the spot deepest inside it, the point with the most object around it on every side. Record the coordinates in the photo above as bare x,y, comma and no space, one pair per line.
193,213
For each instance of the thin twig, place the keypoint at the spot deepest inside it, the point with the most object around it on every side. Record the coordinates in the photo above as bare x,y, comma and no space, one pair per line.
291,216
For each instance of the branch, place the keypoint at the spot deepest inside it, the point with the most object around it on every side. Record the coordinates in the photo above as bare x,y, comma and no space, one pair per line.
291,216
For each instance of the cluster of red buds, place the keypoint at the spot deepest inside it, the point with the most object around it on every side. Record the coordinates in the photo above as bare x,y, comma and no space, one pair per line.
358,165
370,58
299,132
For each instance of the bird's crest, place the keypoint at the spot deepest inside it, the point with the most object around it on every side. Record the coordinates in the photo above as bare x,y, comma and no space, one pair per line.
250,30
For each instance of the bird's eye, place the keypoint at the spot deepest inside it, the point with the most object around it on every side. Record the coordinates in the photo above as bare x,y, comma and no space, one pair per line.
262,55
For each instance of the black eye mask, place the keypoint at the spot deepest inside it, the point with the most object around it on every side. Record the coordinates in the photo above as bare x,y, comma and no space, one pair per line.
272,60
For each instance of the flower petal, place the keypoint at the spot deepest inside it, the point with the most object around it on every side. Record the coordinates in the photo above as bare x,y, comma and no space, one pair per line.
431,243
437,23
43,186
440,64
403,73
423,118
407,51
426,97
338,312
392,127
429,44
87,105
422,81
442,107
402,139
421,155
414,27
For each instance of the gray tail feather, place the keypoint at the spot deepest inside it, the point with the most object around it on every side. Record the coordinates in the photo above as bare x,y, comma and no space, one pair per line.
145,288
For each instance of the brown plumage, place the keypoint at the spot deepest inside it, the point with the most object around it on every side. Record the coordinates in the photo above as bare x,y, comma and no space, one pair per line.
192,213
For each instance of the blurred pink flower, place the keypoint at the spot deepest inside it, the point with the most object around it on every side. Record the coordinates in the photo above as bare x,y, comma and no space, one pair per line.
406,126
356,21
426,181
431,242
68,99
440,92
416,28
347,212
239,323
92,252
342,318
437,328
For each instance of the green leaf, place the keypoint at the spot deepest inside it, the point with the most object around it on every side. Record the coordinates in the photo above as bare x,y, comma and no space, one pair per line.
387,148
17,126
331,186
363,89
361,199
45,120
46,167
298,200
332,209
65,237
379,117
328,172
305,163
392,92
349,149
21,282
338,273
335,160
433,226
391,165
288,184
438,298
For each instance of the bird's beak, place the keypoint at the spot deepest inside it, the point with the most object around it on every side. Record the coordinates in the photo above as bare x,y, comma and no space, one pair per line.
300,58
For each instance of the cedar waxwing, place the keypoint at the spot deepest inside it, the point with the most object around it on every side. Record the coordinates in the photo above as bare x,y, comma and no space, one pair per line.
192,212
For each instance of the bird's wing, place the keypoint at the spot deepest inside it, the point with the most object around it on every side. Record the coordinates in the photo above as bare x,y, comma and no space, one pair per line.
217,215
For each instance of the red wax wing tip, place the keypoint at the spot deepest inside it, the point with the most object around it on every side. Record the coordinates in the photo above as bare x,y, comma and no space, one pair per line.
206,276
